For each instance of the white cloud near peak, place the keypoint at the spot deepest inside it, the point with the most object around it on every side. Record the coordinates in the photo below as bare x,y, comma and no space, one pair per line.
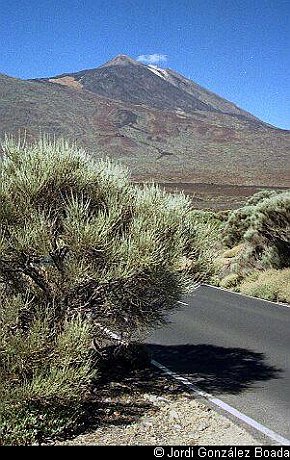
152,59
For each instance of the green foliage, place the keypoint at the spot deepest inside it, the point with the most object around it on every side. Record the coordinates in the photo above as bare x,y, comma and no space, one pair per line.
233,252
271,285
230,281
204,229
239,221
261,195
257,238
36,423
80,248
84,239
264,225
40,368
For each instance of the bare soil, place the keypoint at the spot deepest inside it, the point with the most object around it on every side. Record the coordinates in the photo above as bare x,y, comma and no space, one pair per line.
147,408
216,197
173,420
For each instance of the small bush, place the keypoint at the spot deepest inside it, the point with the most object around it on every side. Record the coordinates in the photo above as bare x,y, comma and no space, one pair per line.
264,226
270,285
263,290
204,230
258,240
230,281
233,252
284,290
261,196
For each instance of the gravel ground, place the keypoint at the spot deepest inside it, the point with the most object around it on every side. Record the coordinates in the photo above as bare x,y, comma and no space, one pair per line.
135,412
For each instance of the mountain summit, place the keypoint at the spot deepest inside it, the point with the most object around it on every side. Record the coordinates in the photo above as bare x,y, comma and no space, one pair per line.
160,124
127,80
121,59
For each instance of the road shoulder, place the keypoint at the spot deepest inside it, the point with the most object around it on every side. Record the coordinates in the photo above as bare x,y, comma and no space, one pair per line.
173,420
151,409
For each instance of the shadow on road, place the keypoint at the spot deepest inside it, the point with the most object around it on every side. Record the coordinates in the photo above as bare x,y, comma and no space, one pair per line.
216,369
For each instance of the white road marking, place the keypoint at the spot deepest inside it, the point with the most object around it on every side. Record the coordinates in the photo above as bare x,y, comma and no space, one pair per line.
111,334
224,406
215,401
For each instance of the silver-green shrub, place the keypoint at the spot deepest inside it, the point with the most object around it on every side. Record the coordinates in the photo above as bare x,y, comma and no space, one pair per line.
81,249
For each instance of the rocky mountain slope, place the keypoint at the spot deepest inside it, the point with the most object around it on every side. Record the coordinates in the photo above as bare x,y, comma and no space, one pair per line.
155,121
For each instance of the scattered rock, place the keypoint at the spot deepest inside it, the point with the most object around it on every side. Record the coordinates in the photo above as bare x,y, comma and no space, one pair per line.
151,398
181,421
165,400
147,422
177,427
173,415
202,426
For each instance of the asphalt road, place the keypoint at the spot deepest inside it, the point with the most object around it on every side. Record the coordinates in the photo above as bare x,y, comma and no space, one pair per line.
234,347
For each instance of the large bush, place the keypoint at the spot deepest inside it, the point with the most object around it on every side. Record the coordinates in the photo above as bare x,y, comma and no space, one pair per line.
81,250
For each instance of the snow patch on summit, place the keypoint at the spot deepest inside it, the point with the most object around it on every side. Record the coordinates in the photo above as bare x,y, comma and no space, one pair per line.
159,72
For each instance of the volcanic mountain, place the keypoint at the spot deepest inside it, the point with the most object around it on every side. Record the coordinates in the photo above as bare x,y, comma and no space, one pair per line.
161,125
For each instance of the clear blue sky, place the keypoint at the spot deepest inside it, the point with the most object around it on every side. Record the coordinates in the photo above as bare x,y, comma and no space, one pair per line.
239,49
